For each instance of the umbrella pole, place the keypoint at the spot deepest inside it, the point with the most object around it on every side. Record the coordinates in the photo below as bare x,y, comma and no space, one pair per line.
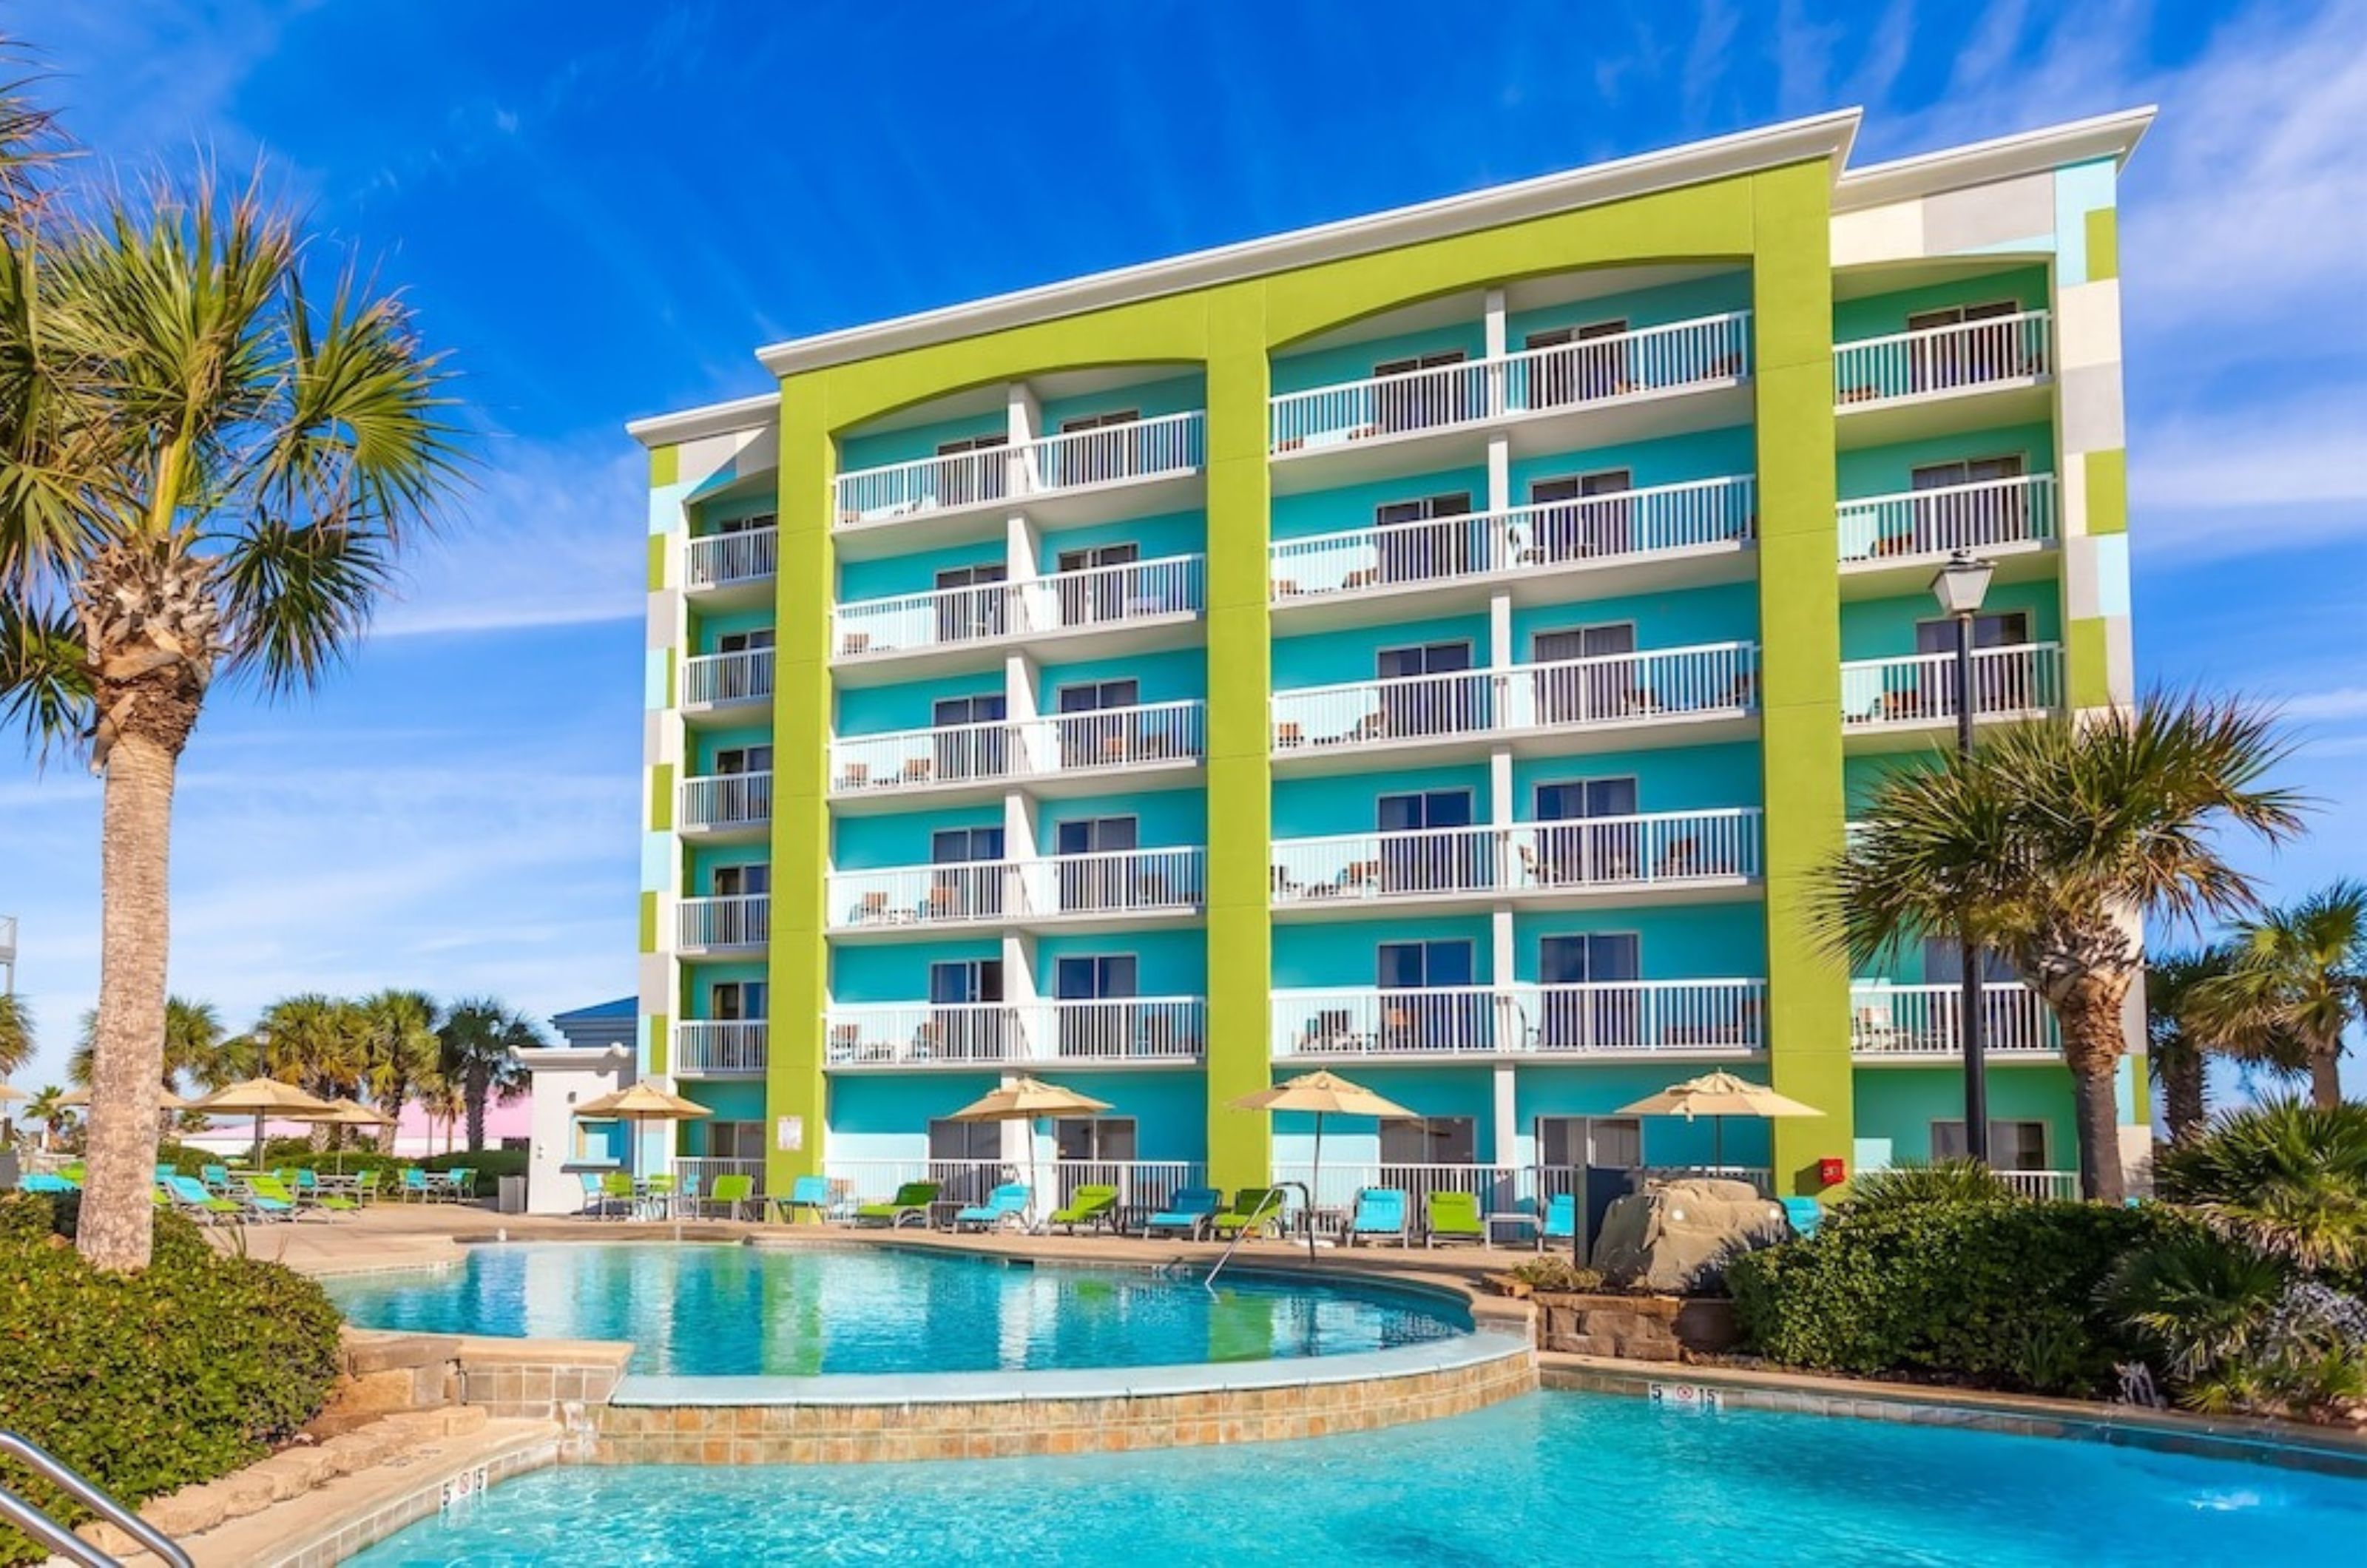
1031,1176
1314,1185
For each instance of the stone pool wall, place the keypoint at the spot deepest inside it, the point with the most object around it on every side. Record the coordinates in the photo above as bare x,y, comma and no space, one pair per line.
844,1432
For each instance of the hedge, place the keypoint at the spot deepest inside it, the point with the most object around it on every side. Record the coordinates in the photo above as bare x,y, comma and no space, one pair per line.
200,1364
1992,1294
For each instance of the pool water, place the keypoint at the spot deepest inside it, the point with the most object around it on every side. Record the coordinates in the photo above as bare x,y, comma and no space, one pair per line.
741,1311
1549,1477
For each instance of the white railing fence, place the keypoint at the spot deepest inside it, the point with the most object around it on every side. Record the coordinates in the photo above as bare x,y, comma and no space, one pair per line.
1641,1016
1611,689
1922,688
1150,448
720,1047
1113,882
1363,1020
726,800
1941,359
713,679
1936,522
1602,530
717,560
1148,734
1662,847
2042,1183
1050,1030
739,920
1064,601
1927,1020
697,1173
1650,360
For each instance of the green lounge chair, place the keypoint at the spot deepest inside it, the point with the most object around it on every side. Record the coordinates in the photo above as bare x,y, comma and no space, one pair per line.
189,1195
732,1191
269,1197
909,1207
1088,1205
308,1189
1453,1216
1254,1209
616,1189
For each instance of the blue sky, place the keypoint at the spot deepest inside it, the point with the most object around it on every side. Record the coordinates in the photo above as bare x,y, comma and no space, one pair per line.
601,209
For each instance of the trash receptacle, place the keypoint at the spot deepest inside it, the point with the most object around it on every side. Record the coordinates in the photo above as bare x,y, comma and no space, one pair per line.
510,1195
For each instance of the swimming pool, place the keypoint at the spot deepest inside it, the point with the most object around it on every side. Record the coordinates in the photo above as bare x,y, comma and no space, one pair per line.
731,1310
1542,1476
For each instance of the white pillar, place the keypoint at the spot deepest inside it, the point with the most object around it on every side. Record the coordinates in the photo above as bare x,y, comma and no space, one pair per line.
1507,1147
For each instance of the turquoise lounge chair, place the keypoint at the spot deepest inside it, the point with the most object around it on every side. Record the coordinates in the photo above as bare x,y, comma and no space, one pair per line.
1806,1214
1380,1212
309,1191
461,1184
1561,1219
592,1196
416,1184
1189,1211
217,1178
44,1182
1453,1216
807,1193
1007,1204
189,1195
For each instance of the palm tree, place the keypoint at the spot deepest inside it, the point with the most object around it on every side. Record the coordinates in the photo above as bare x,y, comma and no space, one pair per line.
16,1033
2050,845
402,1050
193,1045
318,1043
2297,978
206,470
48,1109
2178,1047
2286,1178
482,1040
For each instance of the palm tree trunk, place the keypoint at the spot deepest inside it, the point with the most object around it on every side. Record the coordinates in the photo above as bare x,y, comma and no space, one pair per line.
480,1088
2183,1104
2325,1073
2093,1043
128,1042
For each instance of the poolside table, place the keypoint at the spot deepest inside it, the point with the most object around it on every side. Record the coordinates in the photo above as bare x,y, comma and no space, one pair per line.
1518,1218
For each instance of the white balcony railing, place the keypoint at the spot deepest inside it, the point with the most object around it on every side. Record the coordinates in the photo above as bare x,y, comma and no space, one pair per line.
1929,1020
1076,1030
1640,1017
1602,530
718,1048
719,560
1650,361
715,680
2042,1183
1144,1186
1987,515
1661,848
726,800
740,921
1145,449
1917,689
1095,597
1150,735
698,1173
1500,1189
1666,685
1113,883
1938,360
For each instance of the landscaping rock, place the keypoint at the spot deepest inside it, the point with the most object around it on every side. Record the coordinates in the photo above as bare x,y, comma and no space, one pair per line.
1678,1236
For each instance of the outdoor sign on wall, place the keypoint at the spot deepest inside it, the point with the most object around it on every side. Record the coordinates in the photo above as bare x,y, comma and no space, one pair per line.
790,1134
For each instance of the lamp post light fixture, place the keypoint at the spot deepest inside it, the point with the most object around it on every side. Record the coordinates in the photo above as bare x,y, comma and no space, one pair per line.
1959,586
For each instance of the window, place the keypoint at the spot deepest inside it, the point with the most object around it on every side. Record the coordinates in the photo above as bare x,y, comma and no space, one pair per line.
1097,459
732,1000
735,1140
1962,357
2013,1145
970,602
973,744
1568,693
965,477
747,524
1095,835
1581,516
965,1159
1999,685
744,760
1431,863
597,1141
1109,1138
1111,879
748,676
1108,977
969,891
1417,965
1427,1140
1610,849
966,1029
1096,1022
1417,402
1417,544
1097,594
1960,519
742,880
1606,1013
2006,629
1093,729
1581,372
960,981
965,846
1447,705
1428,1002
744,642
1943,963
1099,696
1615,1143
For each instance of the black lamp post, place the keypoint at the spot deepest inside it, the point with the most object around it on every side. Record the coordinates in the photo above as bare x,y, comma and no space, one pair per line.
1960,587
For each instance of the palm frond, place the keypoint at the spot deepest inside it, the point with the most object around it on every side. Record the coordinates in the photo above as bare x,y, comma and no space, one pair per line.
44,676
297,599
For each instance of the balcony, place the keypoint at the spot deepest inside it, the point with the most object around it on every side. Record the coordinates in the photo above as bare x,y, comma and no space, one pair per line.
1115,1032
719,570
1684,695
1892,544
714,681
1629,542
1664,857
1915,384
1053,754
714,925
720,1048
726,808
1925,1023
1618,1019
1654,380
1095,613
1116,887
1882,699
1084,476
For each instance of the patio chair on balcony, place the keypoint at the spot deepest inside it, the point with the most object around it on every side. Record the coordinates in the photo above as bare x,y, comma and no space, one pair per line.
846,1042
1681,857
917,770
1872,1029
855,775
1381,1212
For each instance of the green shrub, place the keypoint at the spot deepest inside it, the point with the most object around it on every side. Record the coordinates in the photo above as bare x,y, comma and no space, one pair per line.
1996,1295
145,1382
487,1163
1553,1272
1948,1182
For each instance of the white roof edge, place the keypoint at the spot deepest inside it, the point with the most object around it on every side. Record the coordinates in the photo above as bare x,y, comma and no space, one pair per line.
2001,158
711,419
1826,135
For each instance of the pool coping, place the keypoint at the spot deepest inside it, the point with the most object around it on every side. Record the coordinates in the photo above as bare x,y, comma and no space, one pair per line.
2242,1440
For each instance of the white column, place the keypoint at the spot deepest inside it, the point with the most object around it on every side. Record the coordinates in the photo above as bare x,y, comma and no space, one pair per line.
1507,1148
1493,327
1023,418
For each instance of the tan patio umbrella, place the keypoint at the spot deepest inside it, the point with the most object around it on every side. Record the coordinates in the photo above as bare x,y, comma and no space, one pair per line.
1023,1099
1717,1096
1325,1093
9,1091
264,1097
166,1098
645,1101
346,1112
